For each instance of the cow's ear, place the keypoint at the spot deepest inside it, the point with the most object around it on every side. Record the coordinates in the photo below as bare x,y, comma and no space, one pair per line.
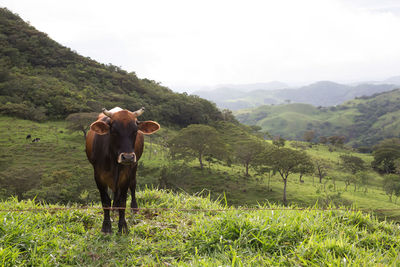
148,127
100,127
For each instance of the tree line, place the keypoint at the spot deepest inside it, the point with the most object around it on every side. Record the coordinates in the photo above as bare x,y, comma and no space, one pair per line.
253,152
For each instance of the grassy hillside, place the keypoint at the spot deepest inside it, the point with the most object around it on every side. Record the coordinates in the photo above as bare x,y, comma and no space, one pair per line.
363,121
56,170
170,232
57,163
41,79
292,120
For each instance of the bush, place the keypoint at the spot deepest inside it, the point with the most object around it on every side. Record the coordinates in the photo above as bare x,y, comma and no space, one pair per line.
62,186
24,110
174,174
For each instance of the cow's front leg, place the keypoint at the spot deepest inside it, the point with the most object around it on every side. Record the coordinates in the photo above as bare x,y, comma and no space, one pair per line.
106,203
120,203
132,187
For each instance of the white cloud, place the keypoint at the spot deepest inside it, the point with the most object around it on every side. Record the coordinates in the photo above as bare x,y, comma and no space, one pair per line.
208,42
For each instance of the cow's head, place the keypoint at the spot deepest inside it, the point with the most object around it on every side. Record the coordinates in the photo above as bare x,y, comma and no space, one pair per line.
122,126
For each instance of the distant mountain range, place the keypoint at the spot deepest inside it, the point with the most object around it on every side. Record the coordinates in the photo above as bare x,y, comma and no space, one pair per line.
274,85
323,93
363,121
394,80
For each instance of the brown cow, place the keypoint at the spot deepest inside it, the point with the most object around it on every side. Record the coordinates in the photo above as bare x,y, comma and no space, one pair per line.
114,145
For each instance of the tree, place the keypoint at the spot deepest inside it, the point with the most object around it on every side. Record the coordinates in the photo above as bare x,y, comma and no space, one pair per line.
255,129
306,167
309,136
286,161
336,140
385,155
247,150
332,178
81,121
391,185
262,163
362,179
352,163
197,141
321,168
227,115
279,141
264,169
348,179
323,140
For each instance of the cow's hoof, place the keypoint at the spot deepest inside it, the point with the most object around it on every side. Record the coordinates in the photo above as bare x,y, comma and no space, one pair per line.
135,210
123,228
134,207
106,228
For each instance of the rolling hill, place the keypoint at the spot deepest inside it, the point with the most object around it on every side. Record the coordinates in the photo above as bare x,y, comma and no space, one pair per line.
323,93
55,170
363,121
41,79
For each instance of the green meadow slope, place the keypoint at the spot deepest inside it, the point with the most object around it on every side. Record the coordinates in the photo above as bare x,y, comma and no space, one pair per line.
363,121
182,230
56,170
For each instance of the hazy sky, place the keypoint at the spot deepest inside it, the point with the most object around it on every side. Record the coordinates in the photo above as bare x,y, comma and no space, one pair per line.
186,43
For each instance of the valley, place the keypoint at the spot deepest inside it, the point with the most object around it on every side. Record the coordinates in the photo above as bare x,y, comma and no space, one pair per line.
363,121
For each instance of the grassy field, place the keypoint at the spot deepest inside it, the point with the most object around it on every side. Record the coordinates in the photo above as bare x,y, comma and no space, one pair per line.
292,120
169,231
221,180
57,165
26,164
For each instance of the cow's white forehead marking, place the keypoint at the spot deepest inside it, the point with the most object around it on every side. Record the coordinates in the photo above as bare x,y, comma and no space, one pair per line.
116,109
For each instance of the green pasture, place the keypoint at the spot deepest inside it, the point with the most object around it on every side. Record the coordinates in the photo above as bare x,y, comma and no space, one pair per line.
56,169
183,230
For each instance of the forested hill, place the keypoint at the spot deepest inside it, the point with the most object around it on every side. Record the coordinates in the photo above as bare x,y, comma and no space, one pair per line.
363,121
41,79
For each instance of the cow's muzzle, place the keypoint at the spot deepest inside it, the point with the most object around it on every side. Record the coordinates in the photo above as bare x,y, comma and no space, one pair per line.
127,158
